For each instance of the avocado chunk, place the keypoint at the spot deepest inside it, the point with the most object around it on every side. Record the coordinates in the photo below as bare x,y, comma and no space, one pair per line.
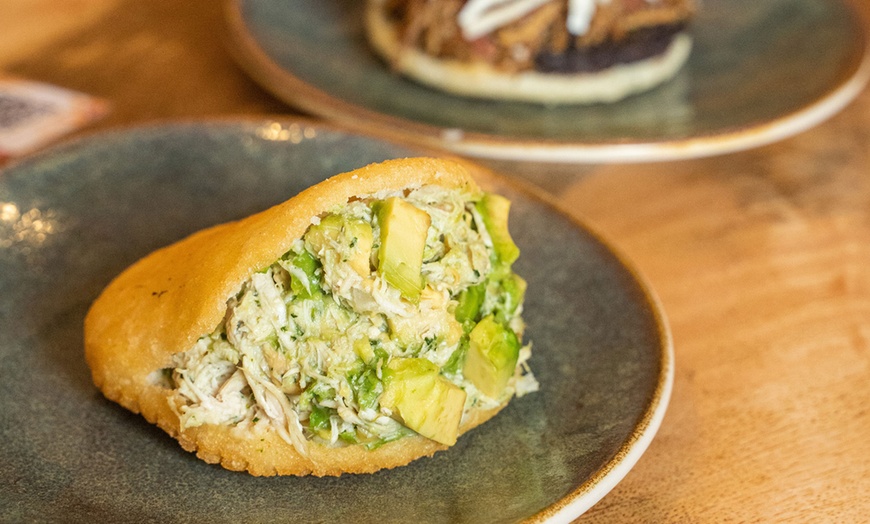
403,238
422,399
304,280
494,209
323,234
493,350
513,290
349,236
404,331
361,243
469,302
366,385
363,349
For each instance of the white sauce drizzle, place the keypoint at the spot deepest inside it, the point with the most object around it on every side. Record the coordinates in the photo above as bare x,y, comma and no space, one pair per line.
580,13
480,17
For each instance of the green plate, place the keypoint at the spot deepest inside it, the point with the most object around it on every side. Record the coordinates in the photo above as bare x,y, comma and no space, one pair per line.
759,72
75,216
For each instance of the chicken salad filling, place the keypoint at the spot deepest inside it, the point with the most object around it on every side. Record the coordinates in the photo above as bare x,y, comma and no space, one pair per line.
395,314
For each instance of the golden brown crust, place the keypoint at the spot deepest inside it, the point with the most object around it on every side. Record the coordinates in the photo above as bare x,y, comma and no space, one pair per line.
163,303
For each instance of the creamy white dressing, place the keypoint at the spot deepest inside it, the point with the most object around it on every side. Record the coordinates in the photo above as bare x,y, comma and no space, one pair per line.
478,18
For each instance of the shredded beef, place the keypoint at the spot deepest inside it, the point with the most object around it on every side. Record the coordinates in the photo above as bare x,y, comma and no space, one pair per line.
621,31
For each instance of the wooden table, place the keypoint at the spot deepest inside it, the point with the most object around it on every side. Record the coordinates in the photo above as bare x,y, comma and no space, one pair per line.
761,259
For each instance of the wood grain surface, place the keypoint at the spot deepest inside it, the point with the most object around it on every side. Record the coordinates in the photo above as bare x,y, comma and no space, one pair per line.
761,259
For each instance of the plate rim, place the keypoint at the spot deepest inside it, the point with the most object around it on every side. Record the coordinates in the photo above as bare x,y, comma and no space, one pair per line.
287,87
593,489
590,492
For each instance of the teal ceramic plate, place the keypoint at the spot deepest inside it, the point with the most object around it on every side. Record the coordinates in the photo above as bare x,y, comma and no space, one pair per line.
75,216
759,72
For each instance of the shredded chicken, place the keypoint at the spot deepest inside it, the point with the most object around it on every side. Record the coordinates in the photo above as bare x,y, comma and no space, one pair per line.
294,359
276,406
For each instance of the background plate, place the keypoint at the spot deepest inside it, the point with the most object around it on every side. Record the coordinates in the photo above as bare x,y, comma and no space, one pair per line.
75,216
759,72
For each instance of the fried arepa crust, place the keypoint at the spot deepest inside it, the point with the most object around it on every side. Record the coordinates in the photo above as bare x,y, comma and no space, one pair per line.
165,302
